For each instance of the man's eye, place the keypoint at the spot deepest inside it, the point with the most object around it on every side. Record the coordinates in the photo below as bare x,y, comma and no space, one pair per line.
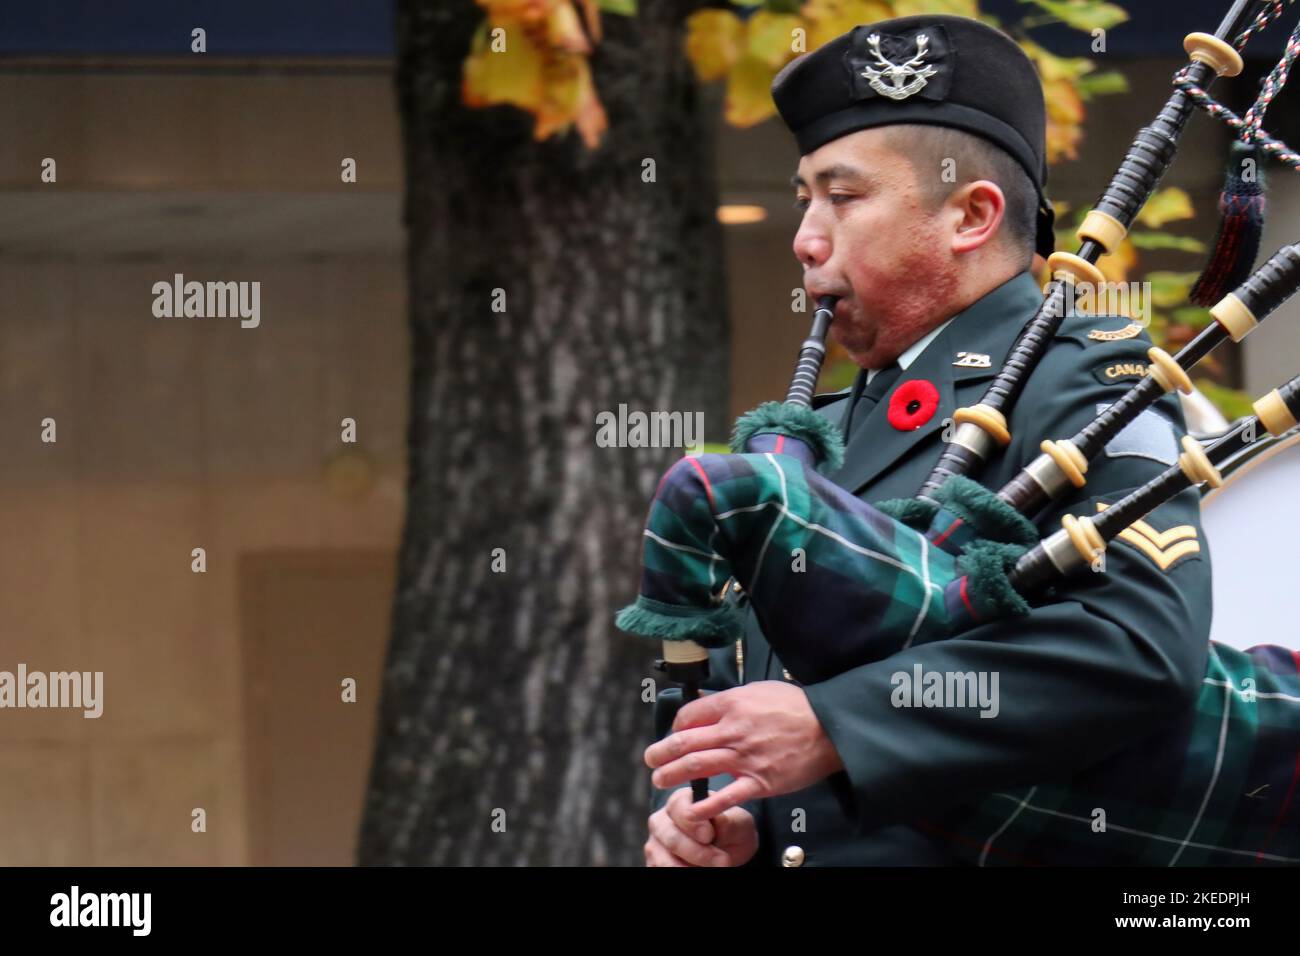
801,202
838,198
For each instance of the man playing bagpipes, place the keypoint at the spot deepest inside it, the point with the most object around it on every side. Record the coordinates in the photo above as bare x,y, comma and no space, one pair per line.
922,177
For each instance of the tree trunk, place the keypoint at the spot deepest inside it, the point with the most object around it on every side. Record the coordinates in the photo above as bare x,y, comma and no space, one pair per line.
512,721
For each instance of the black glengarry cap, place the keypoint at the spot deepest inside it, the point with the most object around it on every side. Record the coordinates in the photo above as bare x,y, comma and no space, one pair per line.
935,70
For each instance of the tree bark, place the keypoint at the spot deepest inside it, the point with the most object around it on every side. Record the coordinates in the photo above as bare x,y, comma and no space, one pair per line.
512,721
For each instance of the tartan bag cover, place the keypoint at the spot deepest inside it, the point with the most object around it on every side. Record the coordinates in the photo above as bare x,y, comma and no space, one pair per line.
816,562
1216,789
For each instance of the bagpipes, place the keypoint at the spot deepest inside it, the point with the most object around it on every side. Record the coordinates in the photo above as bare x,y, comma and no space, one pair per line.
886,577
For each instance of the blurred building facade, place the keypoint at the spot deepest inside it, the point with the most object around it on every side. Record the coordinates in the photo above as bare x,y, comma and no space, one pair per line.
222,689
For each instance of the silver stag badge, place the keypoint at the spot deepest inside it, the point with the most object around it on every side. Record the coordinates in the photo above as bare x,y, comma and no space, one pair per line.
898,81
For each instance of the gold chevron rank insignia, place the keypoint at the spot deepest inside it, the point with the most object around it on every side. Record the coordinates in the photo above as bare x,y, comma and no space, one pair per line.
1164,548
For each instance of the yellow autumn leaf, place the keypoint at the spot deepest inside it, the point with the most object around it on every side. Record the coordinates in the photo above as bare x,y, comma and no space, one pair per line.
714,40
749,93
564,30
1062,142
562,79
961,8
590,114
771,37
513,75
1065,114
1115,266
524,12
591,13
1052,67
1065,109
1167,205
1064,105
828,19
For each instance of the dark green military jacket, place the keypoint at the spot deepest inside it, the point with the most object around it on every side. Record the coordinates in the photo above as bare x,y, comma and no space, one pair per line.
1095,666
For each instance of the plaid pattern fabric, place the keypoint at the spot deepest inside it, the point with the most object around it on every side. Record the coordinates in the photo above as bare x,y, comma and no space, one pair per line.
1218,789
816,563
812,558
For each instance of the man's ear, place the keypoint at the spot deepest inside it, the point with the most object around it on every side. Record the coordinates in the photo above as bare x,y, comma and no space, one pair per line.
977,210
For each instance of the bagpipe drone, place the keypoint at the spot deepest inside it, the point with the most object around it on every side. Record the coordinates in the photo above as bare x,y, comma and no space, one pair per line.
901,573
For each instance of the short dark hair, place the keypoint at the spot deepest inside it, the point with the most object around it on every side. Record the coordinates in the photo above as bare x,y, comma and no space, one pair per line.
974,158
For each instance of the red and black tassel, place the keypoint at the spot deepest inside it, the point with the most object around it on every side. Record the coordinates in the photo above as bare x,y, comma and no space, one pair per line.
1241,223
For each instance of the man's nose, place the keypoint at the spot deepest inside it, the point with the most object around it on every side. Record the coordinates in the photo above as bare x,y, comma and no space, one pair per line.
812,247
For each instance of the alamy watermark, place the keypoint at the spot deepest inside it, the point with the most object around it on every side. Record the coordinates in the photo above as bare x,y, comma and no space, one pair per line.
636,429
922,688
1129,299
75,908
78,690
209,300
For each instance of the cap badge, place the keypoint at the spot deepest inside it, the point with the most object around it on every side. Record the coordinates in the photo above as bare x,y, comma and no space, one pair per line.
898,81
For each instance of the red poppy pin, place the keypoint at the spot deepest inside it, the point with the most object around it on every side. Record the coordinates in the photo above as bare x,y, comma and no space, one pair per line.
913,404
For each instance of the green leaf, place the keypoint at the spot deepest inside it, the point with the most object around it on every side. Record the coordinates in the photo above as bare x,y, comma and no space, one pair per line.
1193,317
961,8
626,8
1233,402
1163,240
1169,289
748,3
1086,15
1101,84
1157,328
838,376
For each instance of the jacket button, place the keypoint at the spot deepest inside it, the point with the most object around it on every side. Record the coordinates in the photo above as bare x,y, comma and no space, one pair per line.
793,856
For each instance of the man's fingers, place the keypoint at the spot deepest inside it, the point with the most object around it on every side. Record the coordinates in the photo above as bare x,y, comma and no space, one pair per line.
737,835
657,855
705,710
732,824
667,833
703,832
732,795
694,766
682,742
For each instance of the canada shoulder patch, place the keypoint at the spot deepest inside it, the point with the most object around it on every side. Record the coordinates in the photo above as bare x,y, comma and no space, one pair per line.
1119,370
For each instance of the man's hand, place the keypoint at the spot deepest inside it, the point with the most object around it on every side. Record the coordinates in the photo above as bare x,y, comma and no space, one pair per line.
727,840
765,735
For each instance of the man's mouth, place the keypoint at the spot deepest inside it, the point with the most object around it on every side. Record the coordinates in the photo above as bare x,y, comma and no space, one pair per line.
819,295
